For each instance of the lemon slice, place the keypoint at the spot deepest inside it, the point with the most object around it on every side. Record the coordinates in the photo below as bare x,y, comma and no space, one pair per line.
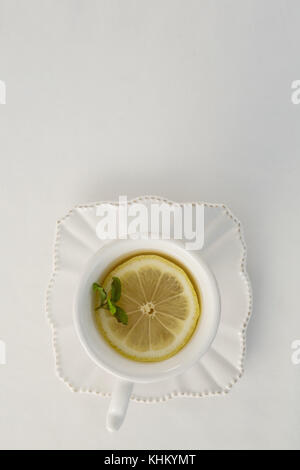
162,308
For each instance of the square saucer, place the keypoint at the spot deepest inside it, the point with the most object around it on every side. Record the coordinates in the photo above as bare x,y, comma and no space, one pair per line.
224,251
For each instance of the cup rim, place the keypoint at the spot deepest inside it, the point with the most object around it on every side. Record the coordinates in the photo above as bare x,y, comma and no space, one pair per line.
146,372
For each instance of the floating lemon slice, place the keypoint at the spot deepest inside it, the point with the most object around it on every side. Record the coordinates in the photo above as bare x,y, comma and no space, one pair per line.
162,308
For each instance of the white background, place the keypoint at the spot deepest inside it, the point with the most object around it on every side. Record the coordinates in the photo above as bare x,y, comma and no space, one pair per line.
187,99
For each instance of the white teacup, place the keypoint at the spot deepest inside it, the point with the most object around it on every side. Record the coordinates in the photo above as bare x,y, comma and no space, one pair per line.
126,371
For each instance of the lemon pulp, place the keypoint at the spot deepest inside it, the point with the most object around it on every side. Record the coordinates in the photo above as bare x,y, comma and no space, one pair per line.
162,307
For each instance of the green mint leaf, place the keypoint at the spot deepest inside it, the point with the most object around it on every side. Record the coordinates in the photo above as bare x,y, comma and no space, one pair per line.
116,289
109,303
111,306
102,293
121,316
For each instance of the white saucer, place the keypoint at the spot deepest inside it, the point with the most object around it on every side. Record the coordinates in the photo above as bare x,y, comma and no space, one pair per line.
225,253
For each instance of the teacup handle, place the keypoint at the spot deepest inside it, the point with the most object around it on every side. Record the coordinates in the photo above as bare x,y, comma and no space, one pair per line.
118,405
